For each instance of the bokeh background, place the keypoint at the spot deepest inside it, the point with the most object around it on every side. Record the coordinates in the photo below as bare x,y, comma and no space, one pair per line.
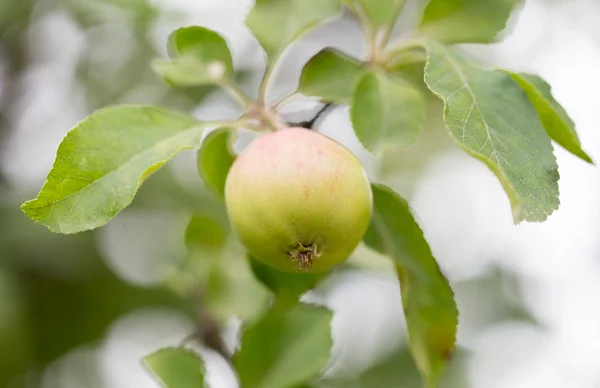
79,311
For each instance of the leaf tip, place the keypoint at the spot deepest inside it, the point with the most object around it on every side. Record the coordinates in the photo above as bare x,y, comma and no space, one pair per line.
587,158
28,208
25,206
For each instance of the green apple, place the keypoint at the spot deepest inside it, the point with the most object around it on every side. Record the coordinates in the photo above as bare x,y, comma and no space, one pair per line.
298,200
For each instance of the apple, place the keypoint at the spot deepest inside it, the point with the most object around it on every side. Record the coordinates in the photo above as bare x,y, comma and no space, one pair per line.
298,200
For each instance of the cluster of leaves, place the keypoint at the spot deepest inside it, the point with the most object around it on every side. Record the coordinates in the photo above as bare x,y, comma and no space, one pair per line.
505,119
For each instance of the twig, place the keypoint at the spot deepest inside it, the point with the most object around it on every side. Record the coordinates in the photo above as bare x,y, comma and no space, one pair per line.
370,32
207,330
266,80
283,100
237,93
309,124
210,333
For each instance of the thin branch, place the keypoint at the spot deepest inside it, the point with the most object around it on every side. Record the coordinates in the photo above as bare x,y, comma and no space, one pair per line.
238,93
385,36
210,333
309,124
266,79
389,28
282,100
370,32
207,329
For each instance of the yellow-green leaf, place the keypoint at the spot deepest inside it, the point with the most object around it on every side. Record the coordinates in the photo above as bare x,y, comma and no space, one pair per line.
331,75
199,56
215,158
276,24
219,271
386,112
466,21
176,368
103,160
189,71
380,13
492,119
556,120
427,298
285,349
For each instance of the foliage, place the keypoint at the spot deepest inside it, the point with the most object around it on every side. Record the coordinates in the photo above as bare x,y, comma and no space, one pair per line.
102,162
176,368
505,119
475,100
429,307
293,346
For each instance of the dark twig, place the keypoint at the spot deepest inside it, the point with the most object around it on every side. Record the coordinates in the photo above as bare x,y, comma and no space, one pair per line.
207,330
309,124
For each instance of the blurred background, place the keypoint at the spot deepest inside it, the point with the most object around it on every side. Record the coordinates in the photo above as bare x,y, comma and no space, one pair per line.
81,310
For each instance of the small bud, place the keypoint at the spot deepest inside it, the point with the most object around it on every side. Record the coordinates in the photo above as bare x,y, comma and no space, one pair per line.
216,70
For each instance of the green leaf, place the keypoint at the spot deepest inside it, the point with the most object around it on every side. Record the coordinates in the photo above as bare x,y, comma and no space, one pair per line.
380,13
386,112
215,158
101,163
176,368
199,56
286,348
188,71
201,43
409,64
466,21
491,118
205,233
396,370
555,119
287,286
399,370
277,23
331,75
428,301
220,272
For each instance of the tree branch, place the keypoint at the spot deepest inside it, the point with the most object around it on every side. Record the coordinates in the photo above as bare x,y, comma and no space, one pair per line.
309,124
207,330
